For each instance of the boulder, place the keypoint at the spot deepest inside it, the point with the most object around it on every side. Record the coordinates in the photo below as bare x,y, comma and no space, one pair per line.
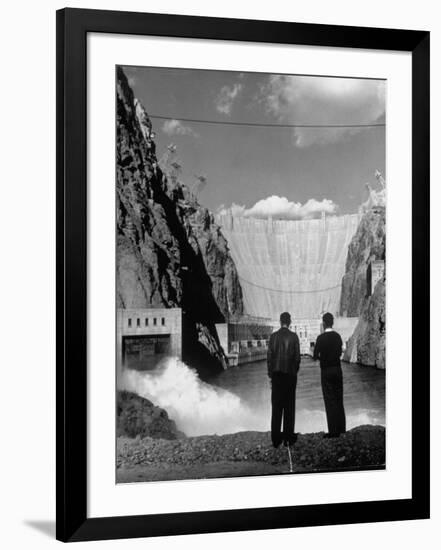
138,417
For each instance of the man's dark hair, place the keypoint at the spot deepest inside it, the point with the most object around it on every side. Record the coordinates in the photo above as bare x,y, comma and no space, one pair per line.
285,319
328,320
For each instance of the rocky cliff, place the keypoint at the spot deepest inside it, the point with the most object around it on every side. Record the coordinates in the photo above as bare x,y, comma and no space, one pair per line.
170,252
368,244
367,345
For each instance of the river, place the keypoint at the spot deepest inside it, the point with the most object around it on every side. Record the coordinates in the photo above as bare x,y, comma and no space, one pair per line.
364,394
238,399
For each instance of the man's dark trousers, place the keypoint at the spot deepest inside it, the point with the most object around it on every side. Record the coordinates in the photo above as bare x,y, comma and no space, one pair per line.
283,401
332,387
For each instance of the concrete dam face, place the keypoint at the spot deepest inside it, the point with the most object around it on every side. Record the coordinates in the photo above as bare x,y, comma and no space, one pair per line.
287,265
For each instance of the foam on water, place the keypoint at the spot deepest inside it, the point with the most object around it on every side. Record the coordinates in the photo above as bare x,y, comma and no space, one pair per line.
197,407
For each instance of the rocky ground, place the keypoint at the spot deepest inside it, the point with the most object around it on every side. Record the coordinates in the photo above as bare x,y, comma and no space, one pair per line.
246,453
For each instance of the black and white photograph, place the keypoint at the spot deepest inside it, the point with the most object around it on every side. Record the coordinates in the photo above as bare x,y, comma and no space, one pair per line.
218,280
250,274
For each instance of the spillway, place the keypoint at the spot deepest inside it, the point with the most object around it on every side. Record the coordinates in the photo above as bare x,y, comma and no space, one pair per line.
290,265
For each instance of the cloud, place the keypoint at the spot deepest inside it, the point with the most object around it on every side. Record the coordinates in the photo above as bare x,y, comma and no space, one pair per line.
321,100
225,99
234,210
175,127
281,208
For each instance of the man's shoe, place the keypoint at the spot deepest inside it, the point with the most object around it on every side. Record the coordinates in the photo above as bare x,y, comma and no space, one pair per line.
290,441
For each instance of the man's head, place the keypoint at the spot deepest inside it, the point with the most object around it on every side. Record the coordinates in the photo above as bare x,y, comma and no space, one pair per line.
285,319
328,320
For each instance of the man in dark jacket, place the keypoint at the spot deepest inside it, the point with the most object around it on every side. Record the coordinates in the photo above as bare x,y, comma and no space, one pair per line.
328,349
283,365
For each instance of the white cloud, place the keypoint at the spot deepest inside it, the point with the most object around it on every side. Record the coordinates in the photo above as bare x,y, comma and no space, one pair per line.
175,127
320,100
234,209
281,208
225,99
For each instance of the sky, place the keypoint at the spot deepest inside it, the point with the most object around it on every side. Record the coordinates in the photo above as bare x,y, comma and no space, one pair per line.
283,172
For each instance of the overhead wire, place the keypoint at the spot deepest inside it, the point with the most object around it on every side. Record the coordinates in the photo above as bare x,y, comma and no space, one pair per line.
267,124
289,291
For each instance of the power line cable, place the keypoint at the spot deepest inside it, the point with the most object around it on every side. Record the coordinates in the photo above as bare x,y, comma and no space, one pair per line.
289,291
268,125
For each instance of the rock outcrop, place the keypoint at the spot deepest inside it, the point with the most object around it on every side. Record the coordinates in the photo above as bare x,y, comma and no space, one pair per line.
367,345
138,417
170,251
368,244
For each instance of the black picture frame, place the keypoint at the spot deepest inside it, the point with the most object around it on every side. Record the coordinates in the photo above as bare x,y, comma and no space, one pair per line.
71,426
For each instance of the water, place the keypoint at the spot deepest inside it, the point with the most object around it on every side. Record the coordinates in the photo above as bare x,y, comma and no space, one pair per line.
197,408
238,399
364,394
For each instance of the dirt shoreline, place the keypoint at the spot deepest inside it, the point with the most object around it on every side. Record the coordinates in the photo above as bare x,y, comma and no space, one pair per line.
246,454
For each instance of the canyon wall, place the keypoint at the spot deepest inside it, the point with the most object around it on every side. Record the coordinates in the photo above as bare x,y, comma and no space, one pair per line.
290,265
170,252
367,344
367,245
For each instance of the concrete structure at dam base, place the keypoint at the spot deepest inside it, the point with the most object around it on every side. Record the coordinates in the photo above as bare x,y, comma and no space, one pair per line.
308,329
245,342
145,336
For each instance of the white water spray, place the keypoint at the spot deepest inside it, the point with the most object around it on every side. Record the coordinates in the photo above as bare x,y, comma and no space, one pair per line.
197,407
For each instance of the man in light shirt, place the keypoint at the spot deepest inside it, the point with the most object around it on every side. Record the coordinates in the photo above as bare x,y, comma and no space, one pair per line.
328,348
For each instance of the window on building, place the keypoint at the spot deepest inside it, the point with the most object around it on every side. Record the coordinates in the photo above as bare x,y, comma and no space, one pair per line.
154,321
163,321
138,322
146,321
129,322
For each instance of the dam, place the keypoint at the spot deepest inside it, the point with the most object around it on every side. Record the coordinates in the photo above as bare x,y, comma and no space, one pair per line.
289,265
282,265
